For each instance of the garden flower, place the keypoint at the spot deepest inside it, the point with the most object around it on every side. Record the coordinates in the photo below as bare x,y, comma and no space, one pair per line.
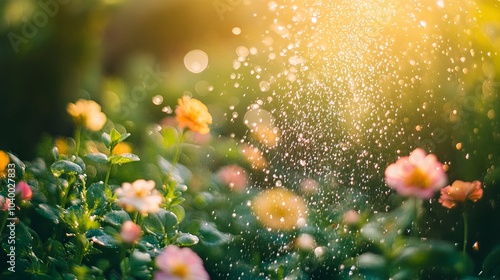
418,175
254,156
279,209
176,263
139,196
309,186
351,217
305,242
87,113
4,161
192,114
4,203
130,232
460,191
234,176
23,190
122,148
62,145
267,135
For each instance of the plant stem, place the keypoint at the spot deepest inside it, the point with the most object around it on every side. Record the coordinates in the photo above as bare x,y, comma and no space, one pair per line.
108,173
466,229
78,133
178,151
414,223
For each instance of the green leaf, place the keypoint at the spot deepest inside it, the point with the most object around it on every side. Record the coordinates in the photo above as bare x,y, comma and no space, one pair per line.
436,256
116,218
210,235
57,253
123,158
387,227
170,136
106,138
115,136
150,244
50,212
373,265
186,239
491,264
137,266
98,236
179,212
98,157
177,200
61,167
123,137
96,197
161,223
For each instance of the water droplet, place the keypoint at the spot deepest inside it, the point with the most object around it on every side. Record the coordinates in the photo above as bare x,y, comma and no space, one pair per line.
157,99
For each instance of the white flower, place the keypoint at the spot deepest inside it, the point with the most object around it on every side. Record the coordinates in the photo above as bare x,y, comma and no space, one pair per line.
139,196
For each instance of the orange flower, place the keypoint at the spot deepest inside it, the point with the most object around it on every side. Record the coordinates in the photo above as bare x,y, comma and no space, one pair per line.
460,191
267,136
122,148
193,114
87,113
254,156
4,161
279,209
62,145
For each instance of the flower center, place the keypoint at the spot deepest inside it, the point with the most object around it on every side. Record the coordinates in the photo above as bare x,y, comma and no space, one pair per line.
418,179
141,193
180,270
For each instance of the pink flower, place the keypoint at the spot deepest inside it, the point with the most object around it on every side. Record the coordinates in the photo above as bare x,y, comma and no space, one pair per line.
176,263
234,176
309,186
418,175
351,217
130,232
4,203
23,190
460,191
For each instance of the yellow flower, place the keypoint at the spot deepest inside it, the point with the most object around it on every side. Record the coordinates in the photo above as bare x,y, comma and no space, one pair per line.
87,113
62,145
4,161
279,209
193,114
122,148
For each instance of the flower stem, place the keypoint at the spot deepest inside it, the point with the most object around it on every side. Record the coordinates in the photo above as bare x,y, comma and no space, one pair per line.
78,133
414,223
108,173
178,151
466,229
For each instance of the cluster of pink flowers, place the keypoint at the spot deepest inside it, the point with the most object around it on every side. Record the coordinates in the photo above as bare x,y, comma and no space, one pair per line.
421,175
